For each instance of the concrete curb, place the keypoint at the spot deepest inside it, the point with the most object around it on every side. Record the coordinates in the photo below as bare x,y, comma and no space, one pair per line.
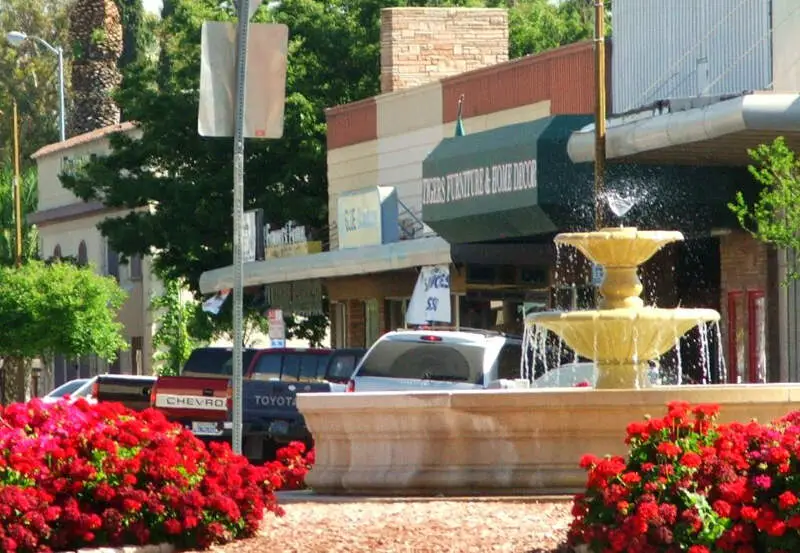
163,548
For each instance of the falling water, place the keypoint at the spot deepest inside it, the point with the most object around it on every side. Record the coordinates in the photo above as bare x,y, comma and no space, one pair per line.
541,345
525,370
680,363
723,370
620,205
558,264
635,338
705,354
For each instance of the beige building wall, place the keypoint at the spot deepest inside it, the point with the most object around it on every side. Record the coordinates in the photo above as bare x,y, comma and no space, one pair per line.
66,231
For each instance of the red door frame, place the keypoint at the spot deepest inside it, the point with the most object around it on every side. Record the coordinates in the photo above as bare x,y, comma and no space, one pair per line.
733,355
752,297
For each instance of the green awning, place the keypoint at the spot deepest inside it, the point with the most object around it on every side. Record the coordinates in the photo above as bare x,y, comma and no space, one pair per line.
507,182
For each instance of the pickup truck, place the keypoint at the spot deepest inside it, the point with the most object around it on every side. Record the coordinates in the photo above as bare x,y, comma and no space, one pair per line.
133,391
200,398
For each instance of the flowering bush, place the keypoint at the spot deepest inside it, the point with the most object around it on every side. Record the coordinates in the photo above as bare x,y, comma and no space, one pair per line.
293,464
78,475
691,484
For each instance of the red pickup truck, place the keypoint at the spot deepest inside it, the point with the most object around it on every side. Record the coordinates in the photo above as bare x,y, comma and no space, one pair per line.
201,397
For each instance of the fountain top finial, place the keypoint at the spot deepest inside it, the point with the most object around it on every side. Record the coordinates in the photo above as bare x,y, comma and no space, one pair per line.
619,246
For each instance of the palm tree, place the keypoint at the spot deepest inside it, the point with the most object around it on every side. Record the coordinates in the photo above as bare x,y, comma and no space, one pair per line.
30,235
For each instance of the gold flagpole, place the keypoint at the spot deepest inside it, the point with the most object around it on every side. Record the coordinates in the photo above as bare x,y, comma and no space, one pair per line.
600,109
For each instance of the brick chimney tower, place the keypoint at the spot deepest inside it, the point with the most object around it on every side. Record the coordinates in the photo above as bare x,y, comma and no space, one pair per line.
420,45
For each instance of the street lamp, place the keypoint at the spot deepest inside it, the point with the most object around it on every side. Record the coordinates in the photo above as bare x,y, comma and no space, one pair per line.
16,38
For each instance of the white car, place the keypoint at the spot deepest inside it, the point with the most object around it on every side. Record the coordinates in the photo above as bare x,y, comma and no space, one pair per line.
66,389
463,359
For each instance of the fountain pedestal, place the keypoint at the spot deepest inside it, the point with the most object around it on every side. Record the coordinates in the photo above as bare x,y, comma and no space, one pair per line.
624,335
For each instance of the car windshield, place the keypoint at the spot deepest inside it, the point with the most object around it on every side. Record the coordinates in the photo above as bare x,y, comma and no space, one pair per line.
442,361
67,388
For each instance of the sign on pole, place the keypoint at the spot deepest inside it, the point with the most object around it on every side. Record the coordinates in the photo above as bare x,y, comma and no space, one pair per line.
430,301
265,85
277,328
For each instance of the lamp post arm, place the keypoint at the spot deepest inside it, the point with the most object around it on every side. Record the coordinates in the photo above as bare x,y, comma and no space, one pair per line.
43,42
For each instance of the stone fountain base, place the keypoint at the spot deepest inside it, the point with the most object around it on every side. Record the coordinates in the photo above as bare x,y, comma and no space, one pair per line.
494,441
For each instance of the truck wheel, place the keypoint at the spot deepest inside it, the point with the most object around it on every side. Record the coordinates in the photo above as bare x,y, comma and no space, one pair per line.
270,450
253,449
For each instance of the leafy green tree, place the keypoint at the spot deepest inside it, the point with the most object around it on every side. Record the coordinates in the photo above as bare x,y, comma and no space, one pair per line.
334,58
774,217
29,73
55,308
172,340
8,235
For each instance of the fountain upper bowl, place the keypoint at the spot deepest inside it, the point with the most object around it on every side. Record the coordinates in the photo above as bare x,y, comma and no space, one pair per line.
619,246
620,335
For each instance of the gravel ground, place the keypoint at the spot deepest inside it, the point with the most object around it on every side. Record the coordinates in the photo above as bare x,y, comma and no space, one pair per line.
424,526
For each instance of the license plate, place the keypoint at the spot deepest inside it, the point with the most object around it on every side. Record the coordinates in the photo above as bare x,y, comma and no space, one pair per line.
206,429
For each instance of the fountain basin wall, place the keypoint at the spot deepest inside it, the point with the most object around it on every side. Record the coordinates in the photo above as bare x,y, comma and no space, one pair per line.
494,441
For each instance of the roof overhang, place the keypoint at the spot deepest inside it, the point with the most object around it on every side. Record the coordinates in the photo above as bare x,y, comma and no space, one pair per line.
718,133
335,263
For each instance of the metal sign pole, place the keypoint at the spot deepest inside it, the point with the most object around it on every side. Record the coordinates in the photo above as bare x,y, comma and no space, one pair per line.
238,216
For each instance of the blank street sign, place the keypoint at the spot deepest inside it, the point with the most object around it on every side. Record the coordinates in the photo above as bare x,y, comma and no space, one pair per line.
265,92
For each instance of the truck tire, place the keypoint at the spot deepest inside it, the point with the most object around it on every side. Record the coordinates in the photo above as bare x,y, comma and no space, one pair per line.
253,449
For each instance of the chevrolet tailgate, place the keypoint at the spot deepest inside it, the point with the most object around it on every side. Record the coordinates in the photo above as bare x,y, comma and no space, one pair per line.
192,398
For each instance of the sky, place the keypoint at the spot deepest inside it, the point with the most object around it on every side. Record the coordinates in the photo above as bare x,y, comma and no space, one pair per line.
152,6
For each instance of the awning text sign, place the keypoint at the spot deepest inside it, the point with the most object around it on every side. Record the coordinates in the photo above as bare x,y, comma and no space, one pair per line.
489,180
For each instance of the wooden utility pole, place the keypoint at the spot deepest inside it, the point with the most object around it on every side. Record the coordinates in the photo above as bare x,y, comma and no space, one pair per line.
17,191
600,110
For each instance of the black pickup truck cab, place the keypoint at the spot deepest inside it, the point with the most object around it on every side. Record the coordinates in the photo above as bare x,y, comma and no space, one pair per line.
201,397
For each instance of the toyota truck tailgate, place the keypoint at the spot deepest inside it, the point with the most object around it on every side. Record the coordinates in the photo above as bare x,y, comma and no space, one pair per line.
192,398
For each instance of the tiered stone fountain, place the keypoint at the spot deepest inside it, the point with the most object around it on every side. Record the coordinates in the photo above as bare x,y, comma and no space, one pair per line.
623,336
527,440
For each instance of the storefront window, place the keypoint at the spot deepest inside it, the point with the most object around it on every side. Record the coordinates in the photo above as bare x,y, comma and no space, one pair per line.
372,320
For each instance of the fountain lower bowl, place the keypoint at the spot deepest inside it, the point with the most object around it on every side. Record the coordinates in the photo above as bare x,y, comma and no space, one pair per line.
622,336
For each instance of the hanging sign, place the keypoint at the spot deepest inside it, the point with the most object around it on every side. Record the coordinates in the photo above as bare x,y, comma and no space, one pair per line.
431,299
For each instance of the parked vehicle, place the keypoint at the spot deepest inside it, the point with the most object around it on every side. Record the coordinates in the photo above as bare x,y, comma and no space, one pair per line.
66,389
342,364
133,391
574,374
439,359
201,397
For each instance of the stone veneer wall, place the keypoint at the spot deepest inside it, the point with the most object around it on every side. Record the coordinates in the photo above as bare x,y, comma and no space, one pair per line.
420,45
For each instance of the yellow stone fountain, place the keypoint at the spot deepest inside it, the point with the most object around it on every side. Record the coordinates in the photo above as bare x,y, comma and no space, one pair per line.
624,335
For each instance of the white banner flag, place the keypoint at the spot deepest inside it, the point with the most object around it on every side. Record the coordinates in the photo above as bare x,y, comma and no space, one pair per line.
431,299
214,303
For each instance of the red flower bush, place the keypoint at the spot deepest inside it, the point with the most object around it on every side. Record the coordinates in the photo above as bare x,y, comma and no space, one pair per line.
293,464
80,475
690,484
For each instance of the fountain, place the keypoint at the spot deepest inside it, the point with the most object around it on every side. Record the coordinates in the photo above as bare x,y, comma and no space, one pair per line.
624,335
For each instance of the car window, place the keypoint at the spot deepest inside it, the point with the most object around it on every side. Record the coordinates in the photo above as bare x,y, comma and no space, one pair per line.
509,362
342,367
425,361
215,361
268,367
67,388
310,366
291,367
